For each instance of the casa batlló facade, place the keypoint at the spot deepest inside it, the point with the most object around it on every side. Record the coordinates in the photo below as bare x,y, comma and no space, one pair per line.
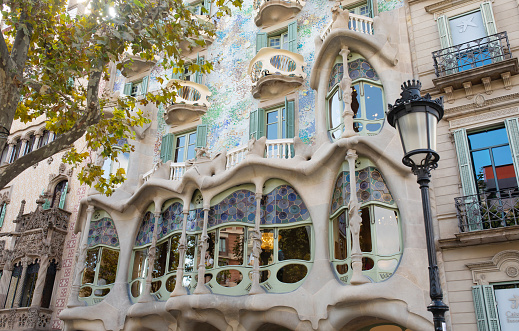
240,211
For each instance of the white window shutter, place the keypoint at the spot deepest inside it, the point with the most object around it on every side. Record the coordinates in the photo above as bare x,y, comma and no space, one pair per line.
444,31
488,18
464,162
512,129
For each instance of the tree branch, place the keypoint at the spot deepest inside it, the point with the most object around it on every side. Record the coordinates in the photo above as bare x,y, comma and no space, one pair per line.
4,52
22,43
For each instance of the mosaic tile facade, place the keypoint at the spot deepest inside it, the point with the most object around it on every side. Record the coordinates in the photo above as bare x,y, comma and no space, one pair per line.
370,187
283,205
171,220
359,68
239,206
103,232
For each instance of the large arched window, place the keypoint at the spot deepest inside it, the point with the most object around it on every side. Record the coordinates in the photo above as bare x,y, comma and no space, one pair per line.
102,259
62,188
380,232
367,103
166,258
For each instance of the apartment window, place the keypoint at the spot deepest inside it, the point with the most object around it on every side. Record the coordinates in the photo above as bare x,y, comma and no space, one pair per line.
3,210
61,187
286,39
363,9
28,285
29,145
16,151
5,152
496,306
187,75
44,140
185,147
367,98
136,88
181,147
197,8
13,285
492,160
277,123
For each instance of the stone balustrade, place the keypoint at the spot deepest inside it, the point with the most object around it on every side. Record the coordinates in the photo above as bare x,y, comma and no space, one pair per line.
280,62
357,23
191,93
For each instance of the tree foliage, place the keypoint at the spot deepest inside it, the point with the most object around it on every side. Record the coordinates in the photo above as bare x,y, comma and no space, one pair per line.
51,65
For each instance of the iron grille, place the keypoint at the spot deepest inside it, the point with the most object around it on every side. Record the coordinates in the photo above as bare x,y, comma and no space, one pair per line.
472,54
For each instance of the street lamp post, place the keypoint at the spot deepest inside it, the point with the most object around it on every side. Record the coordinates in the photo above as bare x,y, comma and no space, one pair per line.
415,117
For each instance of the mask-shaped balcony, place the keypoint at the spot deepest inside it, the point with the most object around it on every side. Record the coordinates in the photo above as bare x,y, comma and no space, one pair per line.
276,72
139,64
190,104
191,48
270,12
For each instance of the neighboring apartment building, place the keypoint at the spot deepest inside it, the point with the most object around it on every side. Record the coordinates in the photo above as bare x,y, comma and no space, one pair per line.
475,46
238,212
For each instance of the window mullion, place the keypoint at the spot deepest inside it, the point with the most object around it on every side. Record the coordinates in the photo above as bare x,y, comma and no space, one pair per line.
98,265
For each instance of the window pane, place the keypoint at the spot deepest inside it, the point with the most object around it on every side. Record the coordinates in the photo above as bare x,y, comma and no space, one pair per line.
272,131
386,226
483,170
173,253
231,249
272,117
283,123
124,159
159,267
267,247
355,101
294,244
467,28
181,141
90,266
285,40
190,152
108,267
189,260
504,167
335,110
374,102
179,154
488,138
192,138
44,139
140,264
340,237
275,42
15,279
365,231
29,283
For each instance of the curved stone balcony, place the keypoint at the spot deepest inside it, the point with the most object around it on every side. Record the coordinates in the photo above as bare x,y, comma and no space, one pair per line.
357,23
190,104
275,72
139,64
270,12
188,48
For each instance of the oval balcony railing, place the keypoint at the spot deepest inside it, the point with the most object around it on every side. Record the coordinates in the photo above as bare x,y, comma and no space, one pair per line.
269,12
274,149
271,61
191,93
357,23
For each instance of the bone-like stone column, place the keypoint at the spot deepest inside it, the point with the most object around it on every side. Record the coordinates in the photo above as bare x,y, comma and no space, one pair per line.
357,277
19,288
152,252
80,257
202,246
345,85
4,282
256,245
40,281
182,247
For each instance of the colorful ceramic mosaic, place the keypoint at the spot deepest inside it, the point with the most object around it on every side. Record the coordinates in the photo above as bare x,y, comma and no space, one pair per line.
370,187
171,220
238,206
195,220
283,205
145,233
103,232
360,68
387,5
336,75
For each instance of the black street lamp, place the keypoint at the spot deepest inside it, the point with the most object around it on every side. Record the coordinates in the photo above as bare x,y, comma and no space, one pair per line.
415,118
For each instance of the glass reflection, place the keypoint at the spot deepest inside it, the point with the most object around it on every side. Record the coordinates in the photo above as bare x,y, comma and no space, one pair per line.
173,253
374,102
189,260
340,237
386,226
335,110
231,248
159,266
291,273
365,231
294,243
90,266
229,278
108,266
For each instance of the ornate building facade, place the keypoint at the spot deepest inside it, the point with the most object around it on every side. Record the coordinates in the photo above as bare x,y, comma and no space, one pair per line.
271,194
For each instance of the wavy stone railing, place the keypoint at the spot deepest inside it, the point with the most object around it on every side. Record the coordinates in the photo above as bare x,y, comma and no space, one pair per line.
274,149
357,23
191,93
271,61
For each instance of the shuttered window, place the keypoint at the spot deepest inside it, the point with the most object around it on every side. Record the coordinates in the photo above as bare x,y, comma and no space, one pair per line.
485,308
166,148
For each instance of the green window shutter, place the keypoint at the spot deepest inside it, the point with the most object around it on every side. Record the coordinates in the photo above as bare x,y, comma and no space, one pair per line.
63,197
201,136
166,148
292,37
207,6
46,205
444,31
485,308
261,41
290,119
464,162
257,123
2,215
370,8
144,85
488,18
198,74
127,88
512,129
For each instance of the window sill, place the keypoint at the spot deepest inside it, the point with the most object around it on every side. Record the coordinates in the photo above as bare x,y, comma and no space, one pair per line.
474,238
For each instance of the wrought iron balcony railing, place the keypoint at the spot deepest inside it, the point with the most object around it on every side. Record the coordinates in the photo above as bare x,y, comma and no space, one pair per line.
472,54
488,210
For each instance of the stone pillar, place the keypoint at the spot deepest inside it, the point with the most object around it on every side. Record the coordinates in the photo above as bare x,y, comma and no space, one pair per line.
345,85
182,247
40,281
19,288
202,246
4,282
37,138
80,258
9,153
152,252
256,245
357,277
22,147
